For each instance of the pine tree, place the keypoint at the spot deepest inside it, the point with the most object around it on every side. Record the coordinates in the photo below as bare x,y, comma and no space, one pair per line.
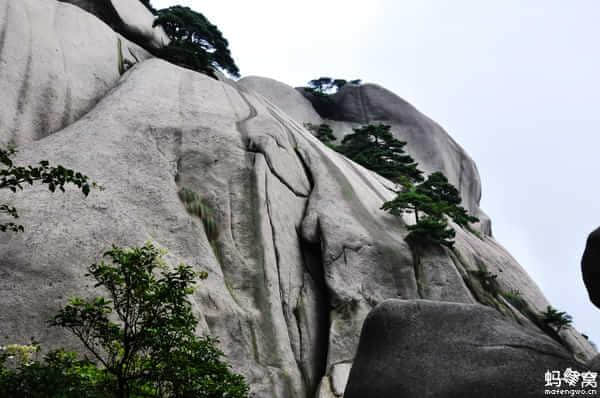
431,201
555,318
374,147
323,132
196,43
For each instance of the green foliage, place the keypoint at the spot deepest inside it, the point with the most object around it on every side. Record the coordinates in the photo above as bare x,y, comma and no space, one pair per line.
196,206
323,132
324,86
196,43
143,335
437,199
60,374
447,197
556,319
374,147
15,177
432,230
515,298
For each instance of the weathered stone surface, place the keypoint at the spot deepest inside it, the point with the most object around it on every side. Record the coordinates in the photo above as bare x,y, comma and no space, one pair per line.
590,267
284,97
128,17
56,62
426,349
594,364
427,142
304,252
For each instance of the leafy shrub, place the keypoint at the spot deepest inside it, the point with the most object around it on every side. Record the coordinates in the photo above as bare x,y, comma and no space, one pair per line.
142,339
59,374
195,43
556,319
14,177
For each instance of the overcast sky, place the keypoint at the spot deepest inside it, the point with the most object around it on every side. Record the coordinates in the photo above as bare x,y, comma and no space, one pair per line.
516,85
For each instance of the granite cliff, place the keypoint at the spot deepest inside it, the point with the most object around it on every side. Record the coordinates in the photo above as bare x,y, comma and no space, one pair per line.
303,252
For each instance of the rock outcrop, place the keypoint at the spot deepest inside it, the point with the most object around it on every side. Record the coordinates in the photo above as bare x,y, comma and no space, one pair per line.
590,267
56,62
303,252
128,17
418,348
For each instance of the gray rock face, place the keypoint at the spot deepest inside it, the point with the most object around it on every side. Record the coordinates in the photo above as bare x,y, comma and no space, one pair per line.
427,349
289,101
57,62
304,251
128,17
427,142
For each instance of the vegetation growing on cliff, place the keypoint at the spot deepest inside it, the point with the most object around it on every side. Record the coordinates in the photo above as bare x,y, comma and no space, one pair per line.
323,132
14,177
432,200
324,86
195,43
374,147
437,200
141,338
556,319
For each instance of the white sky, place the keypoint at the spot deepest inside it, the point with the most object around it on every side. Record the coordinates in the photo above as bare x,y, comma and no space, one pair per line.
516,85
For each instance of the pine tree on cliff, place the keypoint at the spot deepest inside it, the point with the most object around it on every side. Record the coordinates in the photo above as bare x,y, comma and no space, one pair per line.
374,147
431,201
196,43
324,86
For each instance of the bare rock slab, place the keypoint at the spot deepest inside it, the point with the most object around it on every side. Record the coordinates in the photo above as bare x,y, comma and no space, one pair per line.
420,348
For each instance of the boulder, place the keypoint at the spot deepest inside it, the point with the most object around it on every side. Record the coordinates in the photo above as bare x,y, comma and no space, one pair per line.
419,348
355,105
590,267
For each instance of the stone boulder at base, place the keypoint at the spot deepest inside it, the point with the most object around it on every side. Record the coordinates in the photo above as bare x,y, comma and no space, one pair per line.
590,267
422,349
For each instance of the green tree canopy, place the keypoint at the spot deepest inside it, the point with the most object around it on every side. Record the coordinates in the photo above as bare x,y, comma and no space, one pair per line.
431,229
14,177
374,147
436,199
143,333
447,197
196,43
